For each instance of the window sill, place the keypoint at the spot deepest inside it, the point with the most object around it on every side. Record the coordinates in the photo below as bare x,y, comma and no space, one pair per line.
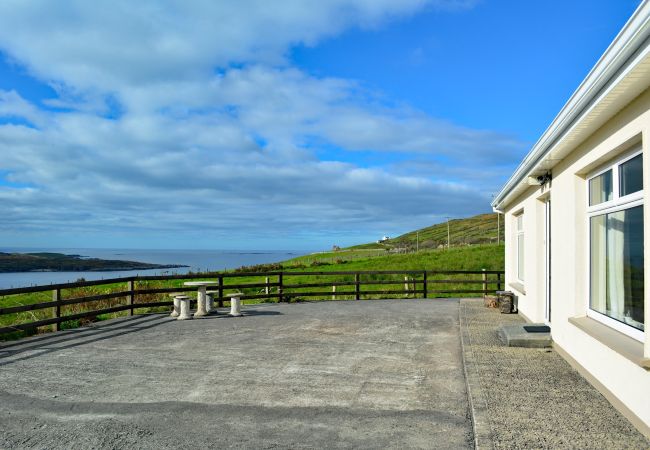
518,287
620,343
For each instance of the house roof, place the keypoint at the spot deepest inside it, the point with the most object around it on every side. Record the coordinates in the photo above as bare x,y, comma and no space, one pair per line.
619,76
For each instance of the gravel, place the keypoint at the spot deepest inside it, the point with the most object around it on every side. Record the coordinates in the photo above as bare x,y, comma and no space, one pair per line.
533,397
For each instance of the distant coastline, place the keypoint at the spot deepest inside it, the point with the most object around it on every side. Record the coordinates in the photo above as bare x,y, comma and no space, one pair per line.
190,260
59,262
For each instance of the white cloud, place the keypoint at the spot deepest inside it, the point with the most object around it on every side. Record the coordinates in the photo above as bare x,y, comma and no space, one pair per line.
186,116
12,105
108,44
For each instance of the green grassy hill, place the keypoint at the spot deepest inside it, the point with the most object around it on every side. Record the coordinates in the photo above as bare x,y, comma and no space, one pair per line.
473,257
473,247
481,229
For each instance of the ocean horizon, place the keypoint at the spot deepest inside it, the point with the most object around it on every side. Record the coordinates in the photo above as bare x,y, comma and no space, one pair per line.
196,260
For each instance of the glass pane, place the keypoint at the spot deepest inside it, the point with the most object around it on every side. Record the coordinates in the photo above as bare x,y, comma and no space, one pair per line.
598,266
600,188
520,256
633,267
617,266
631,176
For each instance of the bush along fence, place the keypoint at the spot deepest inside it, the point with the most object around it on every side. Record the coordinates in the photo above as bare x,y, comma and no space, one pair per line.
24,310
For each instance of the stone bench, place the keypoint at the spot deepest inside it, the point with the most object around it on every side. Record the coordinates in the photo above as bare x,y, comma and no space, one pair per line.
176,309
183,307
235,304
209,303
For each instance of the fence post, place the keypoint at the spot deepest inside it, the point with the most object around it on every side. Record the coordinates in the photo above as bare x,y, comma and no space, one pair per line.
280,288
131,296
357,287
406,286
56,297
424,283
220,290
266,289
499,281
333,292
485,284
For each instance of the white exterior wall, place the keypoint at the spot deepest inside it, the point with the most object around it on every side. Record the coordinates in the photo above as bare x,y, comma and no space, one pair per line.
533,288
625,378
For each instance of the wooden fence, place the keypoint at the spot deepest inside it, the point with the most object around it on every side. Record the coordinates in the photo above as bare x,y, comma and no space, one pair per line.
135,293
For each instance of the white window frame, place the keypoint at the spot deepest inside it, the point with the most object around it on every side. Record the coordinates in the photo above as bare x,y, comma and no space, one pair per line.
519,232
616,204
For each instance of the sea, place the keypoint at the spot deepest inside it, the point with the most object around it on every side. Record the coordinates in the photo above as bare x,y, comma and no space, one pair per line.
196,260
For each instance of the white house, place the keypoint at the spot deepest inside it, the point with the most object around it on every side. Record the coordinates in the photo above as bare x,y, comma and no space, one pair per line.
577,218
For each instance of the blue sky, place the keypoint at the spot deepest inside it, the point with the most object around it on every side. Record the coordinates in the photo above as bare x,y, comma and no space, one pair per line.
243,125
504,65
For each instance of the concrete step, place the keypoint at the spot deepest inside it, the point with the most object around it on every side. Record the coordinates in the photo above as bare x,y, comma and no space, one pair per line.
531,335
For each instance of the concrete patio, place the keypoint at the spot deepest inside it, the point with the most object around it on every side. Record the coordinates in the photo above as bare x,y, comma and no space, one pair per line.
366,374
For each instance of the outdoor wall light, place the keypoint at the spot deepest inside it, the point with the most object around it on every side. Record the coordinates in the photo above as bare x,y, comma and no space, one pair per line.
540,180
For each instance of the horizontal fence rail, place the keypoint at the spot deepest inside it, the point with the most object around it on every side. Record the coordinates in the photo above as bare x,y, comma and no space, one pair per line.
86,300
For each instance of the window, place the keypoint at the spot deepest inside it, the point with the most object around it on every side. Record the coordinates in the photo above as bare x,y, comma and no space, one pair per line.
600,188
519,220
616,245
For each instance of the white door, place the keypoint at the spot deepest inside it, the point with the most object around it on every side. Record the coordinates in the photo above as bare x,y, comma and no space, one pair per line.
547,251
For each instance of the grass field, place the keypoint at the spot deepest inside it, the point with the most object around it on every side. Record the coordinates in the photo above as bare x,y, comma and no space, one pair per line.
468,257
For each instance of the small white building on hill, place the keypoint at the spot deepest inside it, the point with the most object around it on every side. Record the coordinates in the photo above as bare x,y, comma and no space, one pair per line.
577,222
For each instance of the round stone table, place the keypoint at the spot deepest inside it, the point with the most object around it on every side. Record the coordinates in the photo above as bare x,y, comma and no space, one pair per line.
202,298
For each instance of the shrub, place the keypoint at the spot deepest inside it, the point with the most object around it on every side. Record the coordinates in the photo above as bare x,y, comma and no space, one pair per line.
272,267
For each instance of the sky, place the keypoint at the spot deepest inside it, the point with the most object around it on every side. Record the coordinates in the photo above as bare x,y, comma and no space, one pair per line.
252,124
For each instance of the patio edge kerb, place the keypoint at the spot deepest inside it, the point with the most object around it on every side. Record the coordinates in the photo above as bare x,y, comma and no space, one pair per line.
475,392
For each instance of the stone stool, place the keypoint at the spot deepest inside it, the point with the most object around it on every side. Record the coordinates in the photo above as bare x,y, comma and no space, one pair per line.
200,303
235,304
209,301
176,310
184,301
